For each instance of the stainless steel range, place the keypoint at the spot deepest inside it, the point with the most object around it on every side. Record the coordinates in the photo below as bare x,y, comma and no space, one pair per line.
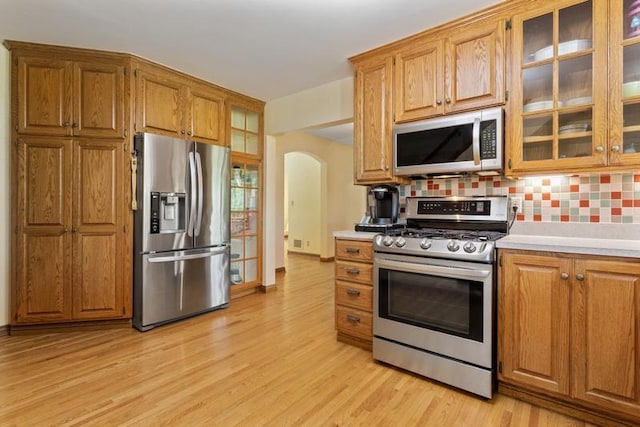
434,290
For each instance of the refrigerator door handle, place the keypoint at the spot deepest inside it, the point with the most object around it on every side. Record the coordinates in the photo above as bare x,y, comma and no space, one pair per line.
171,258
192,211
200,195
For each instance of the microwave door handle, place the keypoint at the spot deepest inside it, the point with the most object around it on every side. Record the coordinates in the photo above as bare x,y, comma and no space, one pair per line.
476,141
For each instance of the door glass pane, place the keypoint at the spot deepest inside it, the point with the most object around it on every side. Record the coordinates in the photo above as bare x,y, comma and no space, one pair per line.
252,223
237,140
237,119
538,39
253,123
237,199
237,273
631,18
251,246
252,199
251,270
252,143
537,84
251,176
237,249
575,81
238,223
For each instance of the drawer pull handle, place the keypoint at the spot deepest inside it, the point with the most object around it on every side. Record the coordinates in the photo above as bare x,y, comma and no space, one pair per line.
353,319
353,292
353,250
353,271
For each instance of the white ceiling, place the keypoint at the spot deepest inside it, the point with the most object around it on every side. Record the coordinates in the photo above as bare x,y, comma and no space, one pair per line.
262,48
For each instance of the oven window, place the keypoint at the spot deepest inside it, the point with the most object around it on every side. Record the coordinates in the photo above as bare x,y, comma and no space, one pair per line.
449,305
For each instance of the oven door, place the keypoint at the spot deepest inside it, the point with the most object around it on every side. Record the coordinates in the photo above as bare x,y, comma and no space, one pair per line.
437,305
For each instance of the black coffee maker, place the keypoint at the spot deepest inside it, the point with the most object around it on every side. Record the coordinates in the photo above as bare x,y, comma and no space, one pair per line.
382,209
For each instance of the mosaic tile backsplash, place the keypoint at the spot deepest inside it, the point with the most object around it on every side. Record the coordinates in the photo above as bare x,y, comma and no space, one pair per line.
608,199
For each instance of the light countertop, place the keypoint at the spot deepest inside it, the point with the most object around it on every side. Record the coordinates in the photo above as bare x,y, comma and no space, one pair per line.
621,240
354,235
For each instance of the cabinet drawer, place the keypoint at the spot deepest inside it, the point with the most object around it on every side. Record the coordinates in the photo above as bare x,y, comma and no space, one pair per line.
354,250
354,322
354,271
357,296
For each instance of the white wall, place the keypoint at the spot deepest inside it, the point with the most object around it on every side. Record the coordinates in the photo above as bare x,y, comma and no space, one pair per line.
345,202
5,165
303,187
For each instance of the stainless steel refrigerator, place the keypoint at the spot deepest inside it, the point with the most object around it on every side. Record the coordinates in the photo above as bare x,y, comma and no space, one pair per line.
181,235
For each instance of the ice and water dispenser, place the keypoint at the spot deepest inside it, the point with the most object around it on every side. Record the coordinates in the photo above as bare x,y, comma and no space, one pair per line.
168,212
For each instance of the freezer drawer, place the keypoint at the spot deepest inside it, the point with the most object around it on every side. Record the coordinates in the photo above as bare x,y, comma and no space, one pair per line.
178,284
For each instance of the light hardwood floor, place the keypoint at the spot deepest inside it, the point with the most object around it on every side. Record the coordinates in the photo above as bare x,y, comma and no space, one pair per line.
270,359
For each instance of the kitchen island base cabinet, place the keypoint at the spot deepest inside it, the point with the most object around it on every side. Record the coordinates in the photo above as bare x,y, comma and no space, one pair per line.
569,333
354,292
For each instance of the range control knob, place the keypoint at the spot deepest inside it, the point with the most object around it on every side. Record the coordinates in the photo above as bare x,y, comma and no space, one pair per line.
469,247
453,246
425,243
387,241
401,242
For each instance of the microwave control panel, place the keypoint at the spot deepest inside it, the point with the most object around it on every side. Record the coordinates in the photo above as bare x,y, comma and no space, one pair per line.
488,139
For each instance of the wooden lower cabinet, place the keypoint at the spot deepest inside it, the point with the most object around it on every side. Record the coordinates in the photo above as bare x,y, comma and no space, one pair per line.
354,292
569,333
71,246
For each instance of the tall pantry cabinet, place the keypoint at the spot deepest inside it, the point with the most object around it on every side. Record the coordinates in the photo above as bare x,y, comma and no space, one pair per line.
71,221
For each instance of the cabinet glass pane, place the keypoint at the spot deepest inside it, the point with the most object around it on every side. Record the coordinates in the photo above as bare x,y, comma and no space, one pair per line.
253,123
251,270
574,134
574,147
237,273
575,28
537,84
631,71
237,176
251,247
237,249
541,126
237,140
252,143
541,150
538,39
252,199
631,18
237,119
237,199
631,136
251,223
239,223
251,176
575,81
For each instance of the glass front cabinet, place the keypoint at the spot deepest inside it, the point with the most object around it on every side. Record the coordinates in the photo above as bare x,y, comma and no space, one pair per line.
246,198
559,74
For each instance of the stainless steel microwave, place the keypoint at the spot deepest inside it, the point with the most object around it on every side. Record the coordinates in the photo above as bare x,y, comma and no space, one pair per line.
456,144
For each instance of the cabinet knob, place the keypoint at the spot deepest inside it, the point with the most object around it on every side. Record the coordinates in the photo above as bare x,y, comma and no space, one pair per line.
182,132
74,125
65,124
564,276
615,148
189,132
439,101
600,149
447,100
66,229
580,277
73,229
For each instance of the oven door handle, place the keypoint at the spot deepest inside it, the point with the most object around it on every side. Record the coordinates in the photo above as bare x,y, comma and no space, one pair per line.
455,272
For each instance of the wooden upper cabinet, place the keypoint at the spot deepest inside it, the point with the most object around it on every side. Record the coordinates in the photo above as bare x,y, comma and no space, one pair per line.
460,70
65,98
534,321
606,335
419,81
205,114
41,290
170,104
373,122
